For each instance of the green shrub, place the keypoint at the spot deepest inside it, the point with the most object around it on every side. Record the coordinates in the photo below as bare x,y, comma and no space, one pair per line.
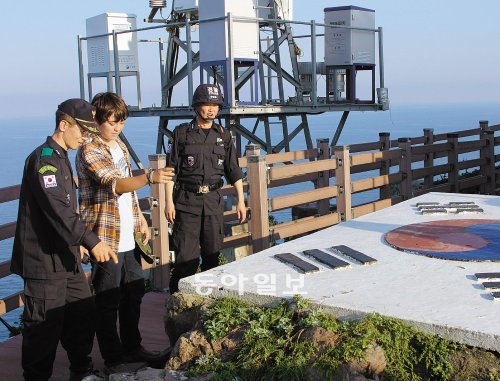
270,349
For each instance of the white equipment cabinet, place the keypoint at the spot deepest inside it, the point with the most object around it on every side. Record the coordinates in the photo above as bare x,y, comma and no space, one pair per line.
100,50
284,7
186,6
349,46
214,39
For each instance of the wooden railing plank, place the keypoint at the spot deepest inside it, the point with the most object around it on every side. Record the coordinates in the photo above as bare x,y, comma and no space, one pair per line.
285,171
363,147
287,201
237,240
284,157
470,146
420,173
10,193
375,182
371,207
294,180
5,269
242,162
304,225
437,188
11,302
374,157
434,148
471,182
471,163
7,230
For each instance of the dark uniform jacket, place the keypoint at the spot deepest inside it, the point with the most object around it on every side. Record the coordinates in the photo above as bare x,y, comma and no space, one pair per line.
48,231
201,159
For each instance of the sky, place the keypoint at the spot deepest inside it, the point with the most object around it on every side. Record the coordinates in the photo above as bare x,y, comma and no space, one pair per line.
434,51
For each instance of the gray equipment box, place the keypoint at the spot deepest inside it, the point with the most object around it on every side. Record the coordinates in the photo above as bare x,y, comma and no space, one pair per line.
349,46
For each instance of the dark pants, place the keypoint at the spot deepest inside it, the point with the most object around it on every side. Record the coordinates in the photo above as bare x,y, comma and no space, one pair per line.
194,236
118,297
55,310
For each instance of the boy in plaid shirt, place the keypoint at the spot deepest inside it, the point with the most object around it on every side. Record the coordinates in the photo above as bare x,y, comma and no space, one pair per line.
109,206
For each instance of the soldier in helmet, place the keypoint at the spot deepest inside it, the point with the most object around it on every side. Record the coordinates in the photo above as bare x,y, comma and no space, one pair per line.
202,152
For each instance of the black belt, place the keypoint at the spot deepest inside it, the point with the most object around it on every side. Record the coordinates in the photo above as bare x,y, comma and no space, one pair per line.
200,188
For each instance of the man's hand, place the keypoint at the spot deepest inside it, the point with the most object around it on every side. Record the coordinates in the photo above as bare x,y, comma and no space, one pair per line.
145,232
163,175
83,252
170,212
242,211
103,253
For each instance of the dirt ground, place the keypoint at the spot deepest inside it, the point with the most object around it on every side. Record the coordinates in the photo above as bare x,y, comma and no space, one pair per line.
473,364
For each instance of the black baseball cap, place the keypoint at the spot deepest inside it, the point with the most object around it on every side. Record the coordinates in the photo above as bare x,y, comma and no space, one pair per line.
82,111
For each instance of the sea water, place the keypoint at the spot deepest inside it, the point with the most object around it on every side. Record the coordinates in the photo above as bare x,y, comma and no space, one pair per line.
20,136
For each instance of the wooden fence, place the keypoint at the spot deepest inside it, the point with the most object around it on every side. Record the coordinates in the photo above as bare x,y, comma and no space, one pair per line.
392,168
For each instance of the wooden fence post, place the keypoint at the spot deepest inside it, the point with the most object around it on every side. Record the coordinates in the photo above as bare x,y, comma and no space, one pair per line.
429,157
324,176
161,272
385,145
488,153
258,202
453,162
406,189
343,180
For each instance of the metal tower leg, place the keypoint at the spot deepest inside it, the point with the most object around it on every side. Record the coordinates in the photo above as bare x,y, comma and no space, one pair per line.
269,146
336,137
307,132
277,56
131,151
162,132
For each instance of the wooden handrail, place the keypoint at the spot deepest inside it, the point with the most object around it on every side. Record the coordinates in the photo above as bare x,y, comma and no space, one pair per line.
371,207
374,157
11,302
375,182
304,225
286,171
471,182
300,198
291,156
5,269
237,240
425,150
420,173
7,230
10,193
471,163
437,188
363,147
470,146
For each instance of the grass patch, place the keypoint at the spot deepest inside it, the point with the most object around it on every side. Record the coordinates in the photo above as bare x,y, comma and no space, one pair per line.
273,347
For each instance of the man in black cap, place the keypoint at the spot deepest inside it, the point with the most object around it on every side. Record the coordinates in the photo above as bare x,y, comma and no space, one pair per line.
49,243
202,152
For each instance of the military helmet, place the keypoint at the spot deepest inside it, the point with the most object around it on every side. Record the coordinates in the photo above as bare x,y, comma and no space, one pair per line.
206,93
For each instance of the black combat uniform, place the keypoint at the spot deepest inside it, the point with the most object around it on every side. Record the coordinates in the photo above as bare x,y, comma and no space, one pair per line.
200,160
58,303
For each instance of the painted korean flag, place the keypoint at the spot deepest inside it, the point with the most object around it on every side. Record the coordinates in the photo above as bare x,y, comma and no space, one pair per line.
50,181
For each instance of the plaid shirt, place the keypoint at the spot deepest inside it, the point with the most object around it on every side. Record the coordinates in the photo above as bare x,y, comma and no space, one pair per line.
97,175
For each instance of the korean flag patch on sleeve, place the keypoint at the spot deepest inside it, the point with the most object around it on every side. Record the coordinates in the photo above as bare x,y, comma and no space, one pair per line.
50,181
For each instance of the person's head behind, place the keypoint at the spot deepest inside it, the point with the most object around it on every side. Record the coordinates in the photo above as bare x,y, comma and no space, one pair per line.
74,120
207,101
109,105
111,113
